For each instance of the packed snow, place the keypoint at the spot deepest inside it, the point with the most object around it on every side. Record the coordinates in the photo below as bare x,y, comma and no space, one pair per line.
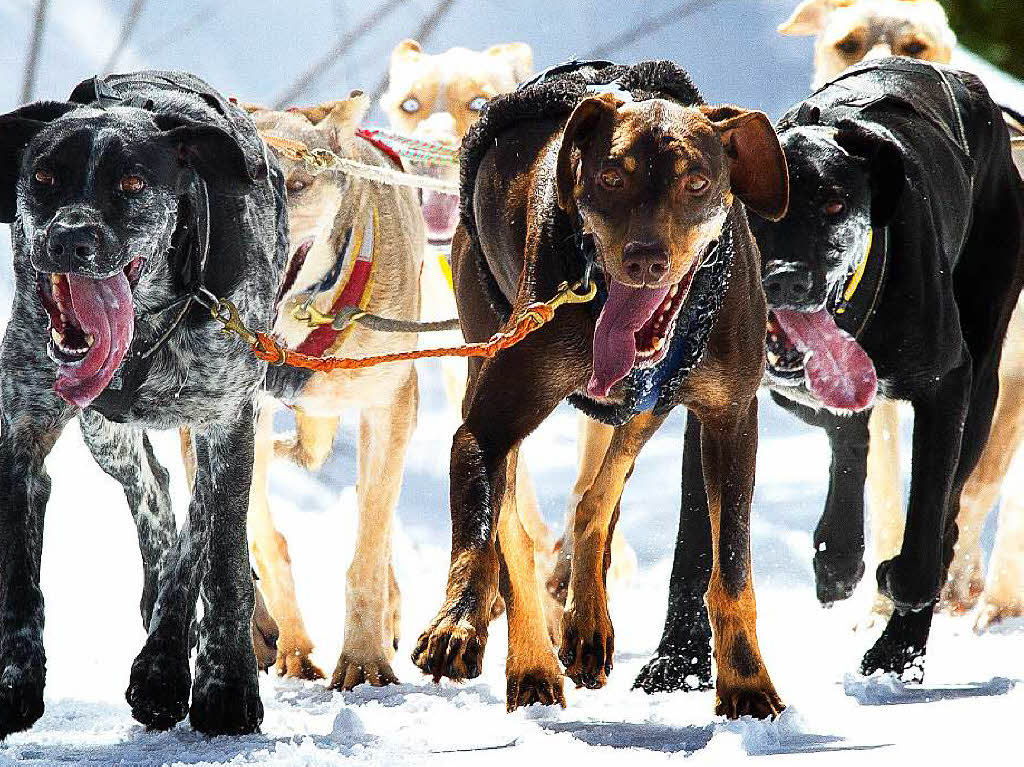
969,707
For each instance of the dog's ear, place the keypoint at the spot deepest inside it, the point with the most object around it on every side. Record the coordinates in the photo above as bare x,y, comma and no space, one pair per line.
405,50
212,152
809,18
582,126
342,120
17,129
884,165
757,170
518,55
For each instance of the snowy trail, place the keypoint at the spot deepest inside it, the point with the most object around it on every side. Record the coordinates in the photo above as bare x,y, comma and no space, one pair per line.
92,581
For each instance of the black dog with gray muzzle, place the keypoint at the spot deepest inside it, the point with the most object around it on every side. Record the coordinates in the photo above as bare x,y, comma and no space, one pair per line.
131,206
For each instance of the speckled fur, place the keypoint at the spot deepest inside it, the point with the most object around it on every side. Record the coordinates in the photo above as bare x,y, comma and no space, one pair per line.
201,378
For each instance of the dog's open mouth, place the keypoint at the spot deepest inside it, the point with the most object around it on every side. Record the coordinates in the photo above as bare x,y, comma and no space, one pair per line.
92,323
809,346
634,329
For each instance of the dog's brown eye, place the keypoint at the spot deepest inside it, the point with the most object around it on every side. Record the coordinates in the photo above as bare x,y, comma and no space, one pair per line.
131,184
915,48
696,183
45,178
848,47
295,185
610,178
834,207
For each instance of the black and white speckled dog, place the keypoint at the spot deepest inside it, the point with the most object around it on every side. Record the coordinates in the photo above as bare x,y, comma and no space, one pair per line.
128,204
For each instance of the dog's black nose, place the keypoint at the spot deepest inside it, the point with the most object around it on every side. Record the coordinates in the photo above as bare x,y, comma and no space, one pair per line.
788,286
645,262
72,243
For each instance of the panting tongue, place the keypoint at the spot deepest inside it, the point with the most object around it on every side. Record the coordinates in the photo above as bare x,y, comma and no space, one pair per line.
838,371
102,308
624,313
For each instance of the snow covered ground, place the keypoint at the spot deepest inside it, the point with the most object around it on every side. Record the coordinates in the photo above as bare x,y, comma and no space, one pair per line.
91,578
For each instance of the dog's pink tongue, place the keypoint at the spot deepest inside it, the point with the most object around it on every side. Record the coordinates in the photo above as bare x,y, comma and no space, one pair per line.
103,309
625,312
838,371
440,214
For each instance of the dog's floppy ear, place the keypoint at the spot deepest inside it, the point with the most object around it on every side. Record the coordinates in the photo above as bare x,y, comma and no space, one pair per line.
214,153
808,18
580,129
518,55
884,164
757,171
17,128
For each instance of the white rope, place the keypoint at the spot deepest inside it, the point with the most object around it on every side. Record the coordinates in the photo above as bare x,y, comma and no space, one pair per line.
391,176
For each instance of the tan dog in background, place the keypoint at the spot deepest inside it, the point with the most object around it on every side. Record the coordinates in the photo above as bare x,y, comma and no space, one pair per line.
846,32
336,221
439,97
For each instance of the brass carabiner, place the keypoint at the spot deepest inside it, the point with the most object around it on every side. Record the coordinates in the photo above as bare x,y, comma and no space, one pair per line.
311,316
568,294
227,314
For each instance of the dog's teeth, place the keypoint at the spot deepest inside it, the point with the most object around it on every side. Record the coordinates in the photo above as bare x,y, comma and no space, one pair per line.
90,339
658,343
673,291
58,338
667,305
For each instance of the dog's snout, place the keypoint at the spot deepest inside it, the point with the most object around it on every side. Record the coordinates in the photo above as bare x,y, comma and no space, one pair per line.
69,242
788,286
645,262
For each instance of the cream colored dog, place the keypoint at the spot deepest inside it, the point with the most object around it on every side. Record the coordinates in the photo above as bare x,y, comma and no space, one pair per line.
439,97
846,32
353,243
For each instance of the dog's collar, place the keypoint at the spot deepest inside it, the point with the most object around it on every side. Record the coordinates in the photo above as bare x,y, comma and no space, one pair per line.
852,306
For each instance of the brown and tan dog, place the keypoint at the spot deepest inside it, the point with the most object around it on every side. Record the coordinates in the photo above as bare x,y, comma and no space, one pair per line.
354,243
846,32
654,182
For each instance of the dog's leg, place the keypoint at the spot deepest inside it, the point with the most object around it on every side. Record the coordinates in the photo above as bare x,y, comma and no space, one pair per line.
913,577
510,396
592,441
729,448
683,659
1004,590
225,693
270,557
532,670
125,453
588,639
839,536
384,434
311,443
965,581
25,441
884,485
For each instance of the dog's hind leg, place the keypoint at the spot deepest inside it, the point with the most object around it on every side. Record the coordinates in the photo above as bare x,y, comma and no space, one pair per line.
27,434
273,564
884,486
588,639
1004,589
311,443
370,643
683,658
532,671
125,453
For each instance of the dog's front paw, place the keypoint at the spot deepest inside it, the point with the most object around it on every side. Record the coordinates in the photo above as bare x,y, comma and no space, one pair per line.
673,671
226,706
892,653
906,584
758,700
542,684
992,612
588,642
961,593
158,688
21,697
835,578
453,646
352,670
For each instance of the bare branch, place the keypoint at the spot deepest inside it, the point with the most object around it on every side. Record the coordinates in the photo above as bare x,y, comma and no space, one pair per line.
648,27
32,63
131,19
